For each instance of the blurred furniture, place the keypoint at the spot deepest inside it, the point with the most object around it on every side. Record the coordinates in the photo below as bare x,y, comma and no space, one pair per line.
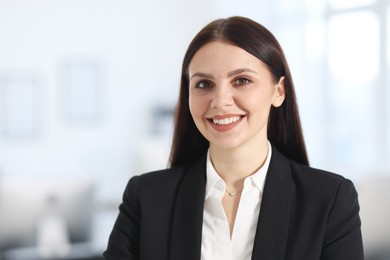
46,219
374,198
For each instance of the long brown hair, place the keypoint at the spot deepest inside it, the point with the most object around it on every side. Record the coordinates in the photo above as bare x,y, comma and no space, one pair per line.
284,126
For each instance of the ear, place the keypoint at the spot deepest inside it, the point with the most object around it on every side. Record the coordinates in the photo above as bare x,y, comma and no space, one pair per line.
279,93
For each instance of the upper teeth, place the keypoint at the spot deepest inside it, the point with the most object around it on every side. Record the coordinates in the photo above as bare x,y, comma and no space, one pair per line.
226,121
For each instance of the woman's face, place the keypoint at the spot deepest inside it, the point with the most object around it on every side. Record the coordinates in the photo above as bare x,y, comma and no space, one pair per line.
230,95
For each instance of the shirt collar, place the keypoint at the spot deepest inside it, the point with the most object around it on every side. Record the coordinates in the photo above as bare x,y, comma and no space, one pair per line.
212,176
258,178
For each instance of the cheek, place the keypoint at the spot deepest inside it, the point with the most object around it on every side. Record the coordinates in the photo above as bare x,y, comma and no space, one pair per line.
198,106
258,104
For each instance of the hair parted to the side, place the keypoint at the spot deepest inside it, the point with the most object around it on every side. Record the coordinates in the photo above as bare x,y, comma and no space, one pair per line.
284,126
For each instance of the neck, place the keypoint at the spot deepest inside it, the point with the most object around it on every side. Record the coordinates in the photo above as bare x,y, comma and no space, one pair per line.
234,165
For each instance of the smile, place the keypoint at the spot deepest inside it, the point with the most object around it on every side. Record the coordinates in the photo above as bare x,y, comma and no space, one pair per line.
226,121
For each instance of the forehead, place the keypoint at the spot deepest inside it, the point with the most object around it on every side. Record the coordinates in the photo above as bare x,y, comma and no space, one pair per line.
218,56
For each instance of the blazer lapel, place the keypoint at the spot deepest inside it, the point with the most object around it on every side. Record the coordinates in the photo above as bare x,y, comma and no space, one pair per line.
272,228
186,237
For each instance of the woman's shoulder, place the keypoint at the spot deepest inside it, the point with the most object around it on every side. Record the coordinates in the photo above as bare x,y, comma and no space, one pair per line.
160,177
319,181
160,187
154,187
175,173
303,174
304,171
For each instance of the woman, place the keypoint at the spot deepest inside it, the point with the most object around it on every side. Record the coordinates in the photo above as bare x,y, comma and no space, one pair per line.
239,185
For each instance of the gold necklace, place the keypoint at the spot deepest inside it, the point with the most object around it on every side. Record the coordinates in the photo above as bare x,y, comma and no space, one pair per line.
232,194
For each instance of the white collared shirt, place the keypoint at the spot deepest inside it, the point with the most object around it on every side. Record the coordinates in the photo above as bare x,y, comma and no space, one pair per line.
216,241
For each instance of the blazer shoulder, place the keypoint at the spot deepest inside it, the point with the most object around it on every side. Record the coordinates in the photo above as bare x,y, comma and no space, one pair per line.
319,182
303,174
329,202
304,171
158,175
160,179
173,174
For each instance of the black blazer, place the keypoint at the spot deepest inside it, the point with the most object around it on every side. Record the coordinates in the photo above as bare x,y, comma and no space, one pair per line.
306,214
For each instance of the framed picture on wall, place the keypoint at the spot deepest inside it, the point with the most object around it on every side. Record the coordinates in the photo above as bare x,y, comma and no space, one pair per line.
81,94
20,105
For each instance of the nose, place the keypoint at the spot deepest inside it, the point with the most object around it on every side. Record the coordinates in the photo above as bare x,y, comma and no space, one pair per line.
222,97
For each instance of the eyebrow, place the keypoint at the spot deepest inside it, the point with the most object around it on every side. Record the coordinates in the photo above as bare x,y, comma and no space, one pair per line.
238,71
202,75
230,74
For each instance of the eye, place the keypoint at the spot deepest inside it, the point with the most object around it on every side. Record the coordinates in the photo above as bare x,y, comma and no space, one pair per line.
203,84
241,82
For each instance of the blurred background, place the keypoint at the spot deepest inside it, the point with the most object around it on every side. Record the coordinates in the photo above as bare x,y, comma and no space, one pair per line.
88,87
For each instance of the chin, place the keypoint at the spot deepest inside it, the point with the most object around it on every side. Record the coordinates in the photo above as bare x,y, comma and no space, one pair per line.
226,145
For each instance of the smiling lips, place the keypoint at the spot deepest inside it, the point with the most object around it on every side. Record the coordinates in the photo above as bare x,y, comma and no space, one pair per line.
225,123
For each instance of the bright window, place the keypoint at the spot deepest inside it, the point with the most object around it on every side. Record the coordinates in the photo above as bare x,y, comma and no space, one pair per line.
354,84
339,74
353,60
388,84
343,4
354,47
